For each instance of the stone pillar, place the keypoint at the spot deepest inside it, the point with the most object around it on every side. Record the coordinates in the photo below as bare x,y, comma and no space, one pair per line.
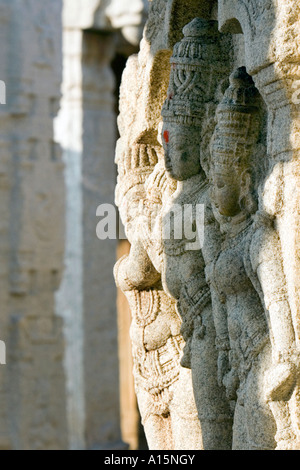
87,299
32,228
130,418
270,51
144,88
69,298
99,293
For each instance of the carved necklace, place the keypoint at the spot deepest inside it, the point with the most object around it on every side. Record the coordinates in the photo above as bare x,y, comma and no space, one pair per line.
186,190
237,232
147,307
232,228
175,247
231,241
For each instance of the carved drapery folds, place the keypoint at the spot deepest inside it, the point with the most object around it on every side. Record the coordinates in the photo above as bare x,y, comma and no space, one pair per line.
228,143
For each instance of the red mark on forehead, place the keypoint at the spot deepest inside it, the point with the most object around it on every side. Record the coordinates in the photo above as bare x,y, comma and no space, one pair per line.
166,136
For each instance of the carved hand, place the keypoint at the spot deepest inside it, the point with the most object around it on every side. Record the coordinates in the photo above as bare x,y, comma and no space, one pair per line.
230,378
136,270
280,381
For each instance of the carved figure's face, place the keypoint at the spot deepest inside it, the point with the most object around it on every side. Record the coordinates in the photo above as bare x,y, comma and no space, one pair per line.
226,192
182,152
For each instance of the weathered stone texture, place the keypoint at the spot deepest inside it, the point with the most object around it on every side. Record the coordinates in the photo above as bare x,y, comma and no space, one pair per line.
209,130
230,132
159,379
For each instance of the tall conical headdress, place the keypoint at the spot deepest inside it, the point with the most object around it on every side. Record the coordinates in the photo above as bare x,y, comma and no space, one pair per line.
238,122
196,68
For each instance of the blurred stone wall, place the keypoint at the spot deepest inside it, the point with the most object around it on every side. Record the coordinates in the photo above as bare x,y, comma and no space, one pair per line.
32,383
59,386
96,35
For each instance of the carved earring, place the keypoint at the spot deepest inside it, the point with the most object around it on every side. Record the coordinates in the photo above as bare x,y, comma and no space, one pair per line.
247,201
245,190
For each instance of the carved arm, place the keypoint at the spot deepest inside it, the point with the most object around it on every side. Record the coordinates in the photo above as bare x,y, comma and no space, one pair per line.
267,262
136,270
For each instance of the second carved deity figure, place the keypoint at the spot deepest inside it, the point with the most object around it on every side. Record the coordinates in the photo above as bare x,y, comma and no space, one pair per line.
197,71
250,304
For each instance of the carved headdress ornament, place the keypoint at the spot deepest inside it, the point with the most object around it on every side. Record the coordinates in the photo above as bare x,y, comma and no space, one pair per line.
196,65
238,122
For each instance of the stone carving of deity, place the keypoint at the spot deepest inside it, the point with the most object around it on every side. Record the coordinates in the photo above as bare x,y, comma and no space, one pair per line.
163,387
197,66
252,316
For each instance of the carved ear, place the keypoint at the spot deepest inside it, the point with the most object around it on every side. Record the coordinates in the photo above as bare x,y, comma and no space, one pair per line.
247,201
245,181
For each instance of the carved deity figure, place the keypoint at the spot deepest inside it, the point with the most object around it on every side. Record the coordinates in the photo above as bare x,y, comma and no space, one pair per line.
197,69
164,389
250,303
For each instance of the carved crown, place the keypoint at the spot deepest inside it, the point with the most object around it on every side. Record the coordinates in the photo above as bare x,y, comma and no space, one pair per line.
238,121
196,65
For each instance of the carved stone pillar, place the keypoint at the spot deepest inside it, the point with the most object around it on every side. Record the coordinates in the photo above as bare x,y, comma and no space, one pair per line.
142,179
87,298
272,52
199,69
